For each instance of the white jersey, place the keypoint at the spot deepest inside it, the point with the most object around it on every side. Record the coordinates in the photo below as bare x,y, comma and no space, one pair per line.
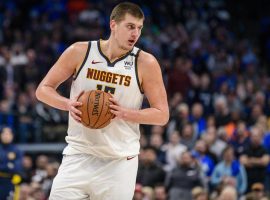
120,138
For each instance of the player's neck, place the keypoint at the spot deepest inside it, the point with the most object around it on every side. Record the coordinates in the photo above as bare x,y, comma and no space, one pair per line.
111,50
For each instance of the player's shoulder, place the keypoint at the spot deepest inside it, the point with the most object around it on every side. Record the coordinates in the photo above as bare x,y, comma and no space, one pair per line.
145,58
79,47
77,51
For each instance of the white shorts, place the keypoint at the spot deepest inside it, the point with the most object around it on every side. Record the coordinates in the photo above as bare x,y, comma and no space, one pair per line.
84,176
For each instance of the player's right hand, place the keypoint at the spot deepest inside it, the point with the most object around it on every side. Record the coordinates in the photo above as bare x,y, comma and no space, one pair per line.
72,107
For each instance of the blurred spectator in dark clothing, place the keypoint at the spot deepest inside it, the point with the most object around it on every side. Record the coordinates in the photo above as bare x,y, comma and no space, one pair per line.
32,70
28,169
240,140
157,130
266,145
10,164
222,114
255,158
203,94
188,171
179,120
157,142
180,77
219,62
188,137
256,112
149,171
25,120
174,102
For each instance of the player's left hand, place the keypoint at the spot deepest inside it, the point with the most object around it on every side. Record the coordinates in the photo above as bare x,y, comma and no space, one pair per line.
117,110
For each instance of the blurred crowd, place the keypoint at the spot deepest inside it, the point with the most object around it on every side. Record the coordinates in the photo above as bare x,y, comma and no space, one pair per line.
217,142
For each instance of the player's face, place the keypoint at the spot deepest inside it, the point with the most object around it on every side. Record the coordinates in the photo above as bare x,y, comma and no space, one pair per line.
127,32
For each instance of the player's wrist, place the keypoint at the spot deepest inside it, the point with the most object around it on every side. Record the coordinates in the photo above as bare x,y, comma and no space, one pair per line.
67,105
131,115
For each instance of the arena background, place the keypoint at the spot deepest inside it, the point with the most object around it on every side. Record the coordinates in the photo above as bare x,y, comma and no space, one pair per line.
215,58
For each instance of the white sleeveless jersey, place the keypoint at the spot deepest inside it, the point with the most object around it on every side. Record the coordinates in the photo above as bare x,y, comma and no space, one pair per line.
120,138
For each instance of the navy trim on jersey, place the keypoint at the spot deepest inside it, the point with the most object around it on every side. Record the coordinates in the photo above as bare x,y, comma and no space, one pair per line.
85,58
136,71
109,63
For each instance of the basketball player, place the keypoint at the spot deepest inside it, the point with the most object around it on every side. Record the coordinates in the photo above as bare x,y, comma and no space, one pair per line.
102,164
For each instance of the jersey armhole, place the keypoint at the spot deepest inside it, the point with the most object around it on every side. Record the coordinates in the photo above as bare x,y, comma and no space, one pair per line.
136,72
85,58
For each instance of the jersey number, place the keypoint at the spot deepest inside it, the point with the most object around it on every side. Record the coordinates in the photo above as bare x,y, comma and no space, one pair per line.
106,88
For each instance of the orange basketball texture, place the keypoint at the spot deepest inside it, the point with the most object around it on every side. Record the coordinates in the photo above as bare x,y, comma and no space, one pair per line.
95,109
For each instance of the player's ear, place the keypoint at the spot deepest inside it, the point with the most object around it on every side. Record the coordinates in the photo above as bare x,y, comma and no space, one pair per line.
112,24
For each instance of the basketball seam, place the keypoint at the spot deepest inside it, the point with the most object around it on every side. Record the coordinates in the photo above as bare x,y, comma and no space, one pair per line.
101,110
87,108
105,121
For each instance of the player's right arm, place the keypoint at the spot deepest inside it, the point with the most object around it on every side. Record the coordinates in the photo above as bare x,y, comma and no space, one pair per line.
64,68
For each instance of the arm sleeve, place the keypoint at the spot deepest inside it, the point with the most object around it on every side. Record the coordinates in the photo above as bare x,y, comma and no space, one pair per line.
242,180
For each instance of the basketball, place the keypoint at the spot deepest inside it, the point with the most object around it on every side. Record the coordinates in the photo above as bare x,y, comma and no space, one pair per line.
95,109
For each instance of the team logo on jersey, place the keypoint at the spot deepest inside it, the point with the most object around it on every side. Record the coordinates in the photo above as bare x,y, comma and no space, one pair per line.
108,77
128,64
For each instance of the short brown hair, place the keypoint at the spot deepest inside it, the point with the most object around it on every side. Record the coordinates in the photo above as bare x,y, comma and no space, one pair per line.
119,11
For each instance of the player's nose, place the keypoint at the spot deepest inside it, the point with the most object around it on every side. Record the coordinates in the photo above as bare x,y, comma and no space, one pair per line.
135,32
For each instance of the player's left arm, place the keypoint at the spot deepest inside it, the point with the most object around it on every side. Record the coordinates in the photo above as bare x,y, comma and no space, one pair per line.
152,84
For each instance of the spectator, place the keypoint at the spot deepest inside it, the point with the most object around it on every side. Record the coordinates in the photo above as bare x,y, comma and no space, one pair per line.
25,192
160,192
186,170
179,79
156,141
149,171
51,170
181,118
255,158
188,137
203,94
10,164
257,192
28,169
216,145
197,119
206,162
40,172
198,193
227,193
173,150
230,170
222,114
138,193
240,139
148,193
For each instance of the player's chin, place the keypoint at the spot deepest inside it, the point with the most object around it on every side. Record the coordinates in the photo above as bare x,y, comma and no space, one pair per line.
127,47
130,46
